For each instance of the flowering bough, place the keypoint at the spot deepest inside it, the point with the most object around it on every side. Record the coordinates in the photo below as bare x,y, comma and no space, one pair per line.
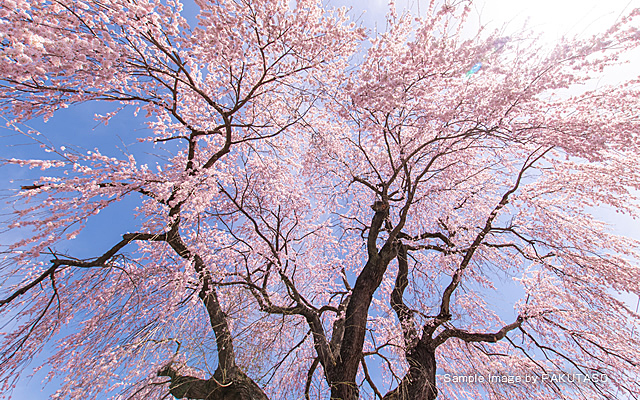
321,228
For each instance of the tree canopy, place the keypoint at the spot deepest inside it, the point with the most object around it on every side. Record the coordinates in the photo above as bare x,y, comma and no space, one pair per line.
333,214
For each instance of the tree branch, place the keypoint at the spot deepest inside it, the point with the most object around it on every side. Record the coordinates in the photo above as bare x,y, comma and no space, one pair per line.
445,313
477,337
404,314
98,262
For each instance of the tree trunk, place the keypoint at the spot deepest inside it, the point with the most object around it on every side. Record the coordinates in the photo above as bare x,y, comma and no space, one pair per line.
235,386
419,383
344,391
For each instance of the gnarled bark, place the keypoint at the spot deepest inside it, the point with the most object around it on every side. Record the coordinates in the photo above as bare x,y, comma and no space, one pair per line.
343,375
236,385
419,383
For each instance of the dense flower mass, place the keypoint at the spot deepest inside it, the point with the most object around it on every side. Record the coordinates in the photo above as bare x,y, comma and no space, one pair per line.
401,216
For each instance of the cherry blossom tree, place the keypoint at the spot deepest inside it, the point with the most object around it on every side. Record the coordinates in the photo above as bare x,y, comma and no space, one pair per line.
339,216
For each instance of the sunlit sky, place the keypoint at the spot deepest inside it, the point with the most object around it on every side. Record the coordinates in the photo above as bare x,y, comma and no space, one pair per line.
555,18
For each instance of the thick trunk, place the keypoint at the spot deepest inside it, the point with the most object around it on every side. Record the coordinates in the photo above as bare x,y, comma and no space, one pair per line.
229,382
236,385
344,391
420,381
343,376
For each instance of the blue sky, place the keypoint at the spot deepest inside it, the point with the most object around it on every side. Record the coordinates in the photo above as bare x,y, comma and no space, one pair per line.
75,126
